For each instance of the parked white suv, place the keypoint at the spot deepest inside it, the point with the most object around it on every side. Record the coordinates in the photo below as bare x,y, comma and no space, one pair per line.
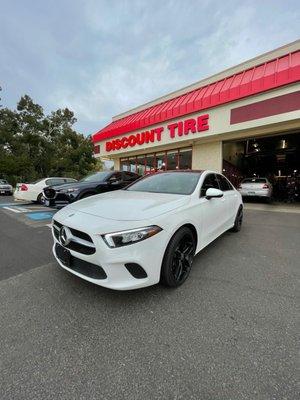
256,187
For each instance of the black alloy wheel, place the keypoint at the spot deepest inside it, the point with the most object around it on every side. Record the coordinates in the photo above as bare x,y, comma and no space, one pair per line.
40,199
238,221
178,259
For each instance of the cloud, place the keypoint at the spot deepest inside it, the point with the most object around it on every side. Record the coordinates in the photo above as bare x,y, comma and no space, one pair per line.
101,58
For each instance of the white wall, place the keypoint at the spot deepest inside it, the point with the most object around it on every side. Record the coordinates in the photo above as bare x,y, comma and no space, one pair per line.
208,156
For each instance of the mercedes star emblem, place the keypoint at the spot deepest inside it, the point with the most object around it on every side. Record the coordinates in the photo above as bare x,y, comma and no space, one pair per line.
65,235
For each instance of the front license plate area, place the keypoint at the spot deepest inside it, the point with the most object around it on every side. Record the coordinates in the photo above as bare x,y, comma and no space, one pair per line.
63,254
2,192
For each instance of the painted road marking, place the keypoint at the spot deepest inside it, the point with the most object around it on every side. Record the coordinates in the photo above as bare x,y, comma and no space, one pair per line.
20,209
2,205
39,216
15,210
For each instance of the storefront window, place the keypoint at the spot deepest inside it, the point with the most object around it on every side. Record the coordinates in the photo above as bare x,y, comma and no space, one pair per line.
124,165
160,161
172,159
149,162
132,164
140,165
185,158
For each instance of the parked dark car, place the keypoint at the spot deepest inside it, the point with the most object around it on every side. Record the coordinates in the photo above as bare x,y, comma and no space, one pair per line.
99,182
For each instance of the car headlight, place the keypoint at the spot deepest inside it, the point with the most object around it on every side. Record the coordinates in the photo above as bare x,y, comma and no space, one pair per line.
124,238
71,190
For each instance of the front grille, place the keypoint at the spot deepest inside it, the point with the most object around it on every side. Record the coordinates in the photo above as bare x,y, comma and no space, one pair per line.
58,224
49,193
80,248
82,267
81,241
81,235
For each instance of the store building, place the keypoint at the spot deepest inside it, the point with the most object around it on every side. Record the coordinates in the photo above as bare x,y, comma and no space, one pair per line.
243,121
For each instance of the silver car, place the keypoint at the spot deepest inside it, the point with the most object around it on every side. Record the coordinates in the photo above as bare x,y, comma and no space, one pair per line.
5,187
256,187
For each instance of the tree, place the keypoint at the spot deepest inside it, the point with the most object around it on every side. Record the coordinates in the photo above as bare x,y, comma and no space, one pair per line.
34,146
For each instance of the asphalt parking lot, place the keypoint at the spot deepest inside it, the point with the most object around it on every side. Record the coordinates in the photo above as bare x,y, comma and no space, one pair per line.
230,332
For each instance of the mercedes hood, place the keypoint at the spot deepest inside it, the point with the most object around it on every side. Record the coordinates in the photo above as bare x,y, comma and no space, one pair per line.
126,205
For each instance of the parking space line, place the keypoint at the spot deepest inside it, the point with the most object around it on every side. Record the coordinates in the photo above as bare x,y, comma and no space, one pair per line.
2,205
15,210
21,209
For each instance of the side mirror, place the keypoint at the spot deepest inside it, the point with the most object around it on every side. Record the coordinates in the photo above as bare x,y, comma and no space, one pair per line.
213,193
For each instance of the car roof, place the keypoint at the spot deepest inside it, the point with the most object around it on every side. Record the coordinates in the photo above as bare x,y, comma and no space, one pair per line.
57,177
198,171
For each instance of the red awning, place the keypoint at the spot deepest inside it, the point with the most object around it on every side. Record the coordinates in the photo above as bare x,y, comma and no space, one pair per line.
278,72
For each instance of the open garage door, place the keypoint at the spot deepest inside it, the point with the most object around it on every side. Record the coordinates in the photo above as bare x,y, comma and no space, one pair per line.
276,158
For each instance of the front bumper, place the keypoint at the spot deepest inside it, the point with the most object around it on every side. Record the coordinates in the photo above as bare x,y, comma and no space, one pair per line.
6,191
148,254
61,197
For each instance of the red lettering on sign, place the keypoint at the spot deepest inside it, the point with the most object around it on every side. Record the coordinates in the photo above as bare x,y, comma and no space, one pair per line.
118,144
108,146
140,138
124,142
202,123
132,140
172,129
189,126
180,128
149,136
159,132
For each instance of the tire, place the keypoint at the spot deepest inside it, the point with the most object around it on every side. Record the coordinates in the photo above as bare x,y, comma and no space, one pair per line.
178,258
238,221
39,199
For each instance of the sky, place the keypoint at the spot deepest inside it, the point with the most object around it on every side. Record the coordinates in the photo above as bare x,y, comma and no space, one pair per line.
100,58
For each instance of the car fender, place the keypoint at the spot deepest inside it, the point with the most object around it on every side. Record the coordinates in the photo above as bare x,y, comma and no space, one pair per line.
84,193
171,224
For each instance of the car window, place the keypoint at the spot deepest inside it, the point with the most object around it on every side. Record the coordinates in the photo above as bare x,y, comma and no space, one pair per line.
69,180
167,182
54,181
224,184
3,182
97,177
116,176
129,176
210,181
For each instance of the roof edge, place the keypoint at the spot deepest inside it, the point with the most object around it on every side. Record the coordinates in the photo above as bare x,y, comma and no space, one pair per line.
278,52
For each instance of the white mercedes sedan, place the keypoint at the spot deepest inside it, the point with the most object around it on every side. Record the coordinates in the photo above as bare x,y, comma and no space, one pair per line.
148,232
34,191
